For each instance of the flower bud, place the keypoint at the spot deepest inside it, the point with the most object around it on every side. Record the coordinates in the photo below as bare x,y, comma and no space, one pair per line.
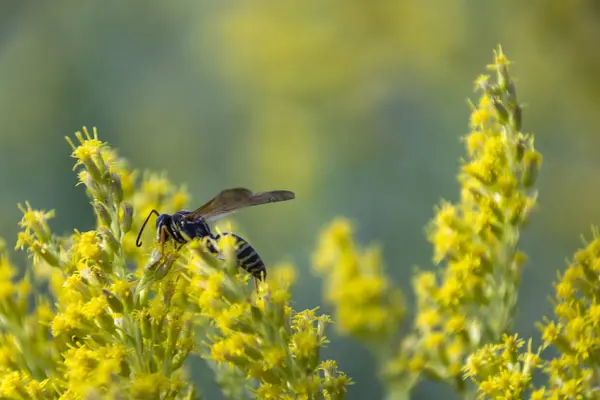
146,324
241,325
114,303
520,148
102,213
532,161
256,313
178,360
126,217
46,253
503,78
511,95
116,188
270,376
92,169
500,110
106,322
516,118
253,352
515,216
164,268
109,240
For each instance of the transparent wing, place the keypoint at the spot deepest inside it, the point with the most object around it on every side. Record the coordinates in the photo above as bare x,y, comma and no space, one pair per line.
230,200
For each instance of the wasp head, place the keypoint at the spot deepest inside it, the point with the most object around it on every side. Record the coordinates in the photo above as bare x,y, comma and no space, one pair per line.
161,220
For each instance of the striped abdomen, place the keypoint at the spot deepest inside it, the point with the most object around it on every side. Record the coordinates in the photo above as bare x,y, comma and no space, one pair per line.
247,257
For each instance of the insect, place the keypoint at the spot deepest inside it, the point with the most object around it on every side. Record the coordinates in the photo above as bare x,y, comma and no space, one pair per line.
194,224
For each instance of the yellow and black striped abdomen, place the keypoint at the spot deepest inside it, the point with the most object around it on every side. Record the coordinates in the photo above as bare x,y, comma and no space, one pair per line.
247,257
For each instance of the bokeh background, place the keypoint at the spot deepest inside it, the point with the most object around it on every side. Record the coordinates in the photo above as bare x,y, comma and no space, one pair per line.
356,106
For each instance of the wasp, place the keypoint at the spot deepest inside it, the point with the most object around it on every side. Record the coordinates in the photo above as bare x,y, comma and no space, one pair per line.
185,225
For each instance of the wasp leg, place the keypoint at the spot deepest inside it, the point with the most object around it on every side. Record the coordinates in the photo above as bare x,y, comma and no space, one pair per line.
180,246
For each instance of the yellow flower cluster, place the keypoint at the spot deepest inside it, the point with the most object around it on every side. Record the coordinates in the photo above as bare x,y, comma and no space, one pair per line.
500,370
124,319
471,301
575,331
119,321
104,333
367,306
260,335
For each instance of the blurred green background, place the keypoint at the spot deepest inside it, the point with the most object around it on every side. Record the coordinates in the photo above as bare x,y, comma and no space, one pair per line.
356,106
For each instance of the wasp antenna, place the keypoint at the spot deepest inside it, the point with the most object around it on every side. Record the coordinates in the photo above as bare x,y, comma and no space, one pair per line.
138,241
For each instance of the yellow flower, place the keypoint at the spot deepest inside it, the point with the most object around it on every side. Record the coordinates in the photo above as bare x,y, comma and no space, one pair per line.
283,276
87,245
268,391
88,147
231,315
36,388
564,289
336,236
572,389
7,358
424,284
157,309
229,348
428,319
474,366
304,343
34,219
274,356
593,314
417,363
6,290
366,305
481,82
566,310
95,307
433,340
539,394
180,199
480,117
451,292
122,288
11,385
456,323
60,324
156,186
148,386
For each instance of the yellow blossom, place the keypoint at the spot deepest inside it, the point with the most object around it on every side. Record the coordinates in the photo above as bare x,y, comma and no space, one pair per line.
87,245
304,344
60,324
433,340
95,307
89,146
456,323
145,386
11,385
268,391
428,319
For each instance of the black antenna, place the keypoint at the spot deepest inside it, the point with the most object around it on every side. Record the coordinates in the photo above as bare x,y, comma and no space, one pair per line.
138,243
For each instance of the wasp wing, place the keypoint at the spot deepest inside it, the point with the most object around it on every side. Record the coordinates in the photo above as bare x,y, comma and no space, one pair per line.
230,200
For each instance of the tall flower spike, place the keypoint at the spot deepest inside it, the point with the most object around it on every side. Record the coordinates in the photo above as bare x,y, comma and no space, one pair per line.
471,302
